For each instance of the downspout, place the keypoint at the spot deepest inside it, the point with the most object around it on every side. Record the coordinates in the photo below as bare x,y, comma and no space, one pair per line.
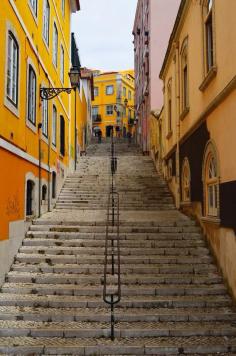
75,133
178,127
39,168
49,174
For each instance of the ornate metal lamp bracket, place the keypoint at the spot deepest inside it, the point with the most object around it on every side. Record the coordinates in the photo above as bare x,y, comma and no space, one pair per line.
50,93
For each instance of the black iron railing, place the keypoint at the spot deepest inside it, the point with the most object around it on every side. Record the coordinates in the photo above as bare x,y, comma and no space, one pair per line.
112,280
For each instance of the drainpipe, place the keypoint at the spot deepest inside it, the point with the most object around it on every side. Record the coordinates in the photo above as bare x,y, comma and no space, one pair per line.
178,127
75,133
40,169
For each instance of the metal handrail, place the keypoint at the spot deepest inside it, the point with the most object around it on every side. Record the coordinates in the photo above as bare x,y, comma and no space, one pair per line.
112,245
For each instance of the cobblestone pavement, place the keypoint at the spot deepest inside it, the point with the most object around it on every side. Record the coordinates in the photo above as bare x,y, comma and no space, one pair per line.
174,301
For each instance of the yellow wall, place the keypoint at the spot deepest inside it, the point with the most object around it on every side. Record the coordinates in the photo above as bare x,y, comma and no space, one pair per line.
119,81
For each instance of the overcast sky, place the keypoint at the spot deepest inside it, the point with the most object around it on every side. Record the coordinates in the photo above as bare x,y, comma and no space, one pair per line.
103,30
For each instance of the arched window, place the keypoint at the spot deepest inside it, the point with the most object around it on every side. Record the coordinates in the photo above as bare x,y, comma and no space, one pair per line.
211,182
186,180
44,192
54,187
184,74
29,197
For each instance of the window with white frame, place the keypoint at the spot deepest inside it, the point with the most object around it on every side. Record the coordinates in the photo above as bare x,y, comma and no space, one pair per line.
129,95
109,109
211,184
209,36
12,69
32,95
34,6
186,180
109,89
55,44
124,91
184,74
62,64
54,125
46,21
45,118
95,90
63,7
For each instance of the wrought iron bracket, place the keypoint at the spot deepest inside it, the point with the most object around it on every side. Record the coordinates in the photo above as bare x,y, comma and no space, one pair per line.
50,93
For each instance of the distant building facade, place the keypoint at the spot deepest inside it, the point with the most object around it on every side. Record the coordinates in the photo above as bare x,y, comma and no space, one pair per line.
154,20
113,106
198,122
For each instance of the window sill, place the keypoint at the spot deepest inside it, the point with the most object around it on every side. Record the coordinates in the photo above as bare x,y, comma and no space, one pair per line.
211,220
46,45
53,147
31,126
11,107
184,113
209,77
44,138
33,14
170,133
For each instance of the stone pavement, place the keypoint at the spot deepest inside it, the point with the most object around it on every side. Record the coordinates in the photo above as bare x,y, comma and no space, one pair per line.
174,301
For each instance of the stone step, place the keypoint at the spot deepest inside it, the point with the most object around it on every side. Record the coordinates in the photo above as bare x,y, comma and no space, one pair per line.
131,243
130,290
137,279
125,260
62,301
124,251
73,329
166,269
121,314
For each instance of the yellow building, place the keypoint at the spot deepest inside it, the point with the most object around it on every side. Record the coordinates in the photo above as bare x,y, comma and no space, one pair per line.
198,128
113,105
37,52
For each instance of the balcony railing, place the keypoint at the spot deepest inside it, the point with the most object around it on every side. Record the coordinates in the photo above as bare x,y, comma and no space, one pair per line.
97,118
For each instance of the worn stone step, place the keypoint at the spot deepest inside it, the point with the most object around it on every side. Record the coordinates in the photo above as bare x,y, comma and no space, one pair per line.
81,329
192,279
85,259
168,269
122,346
121,314
124,251
141,290
62,301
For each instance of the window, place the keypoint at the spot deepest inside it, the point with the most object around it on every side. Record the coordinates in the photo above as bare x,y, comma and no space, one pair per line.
63,7
209,42
54,185
211,186
124,91
54,125
55,44
96,91
109,109
109,89
29,197
184,74
62,136
44,192
12,69
45,118
186,178
34,5
46,21
32,95
129,95
62,64
169,101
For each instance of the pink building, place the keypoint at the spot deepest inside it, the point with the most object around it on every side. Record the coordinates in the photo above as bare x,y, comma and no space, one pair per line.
153,24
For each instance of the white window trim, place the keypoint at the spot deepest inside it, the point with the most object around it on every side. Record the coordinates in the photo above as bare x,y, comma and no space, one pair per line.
29,124
43,137
44,39
63,9
54,146
55,60
111,85
35,16
62,78
107,110
15,110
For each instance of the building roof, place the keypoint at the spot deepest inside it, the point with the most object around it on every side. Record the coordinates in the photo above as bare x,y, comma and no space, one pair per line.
172,36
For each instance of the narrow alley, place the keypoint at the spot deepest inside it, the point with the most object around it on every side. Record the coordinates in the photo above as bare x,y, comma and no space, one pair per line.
173,298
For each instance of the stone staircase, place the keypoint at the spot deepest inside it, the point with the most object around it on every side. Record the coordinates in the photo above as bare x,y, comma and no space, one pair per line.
174,301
